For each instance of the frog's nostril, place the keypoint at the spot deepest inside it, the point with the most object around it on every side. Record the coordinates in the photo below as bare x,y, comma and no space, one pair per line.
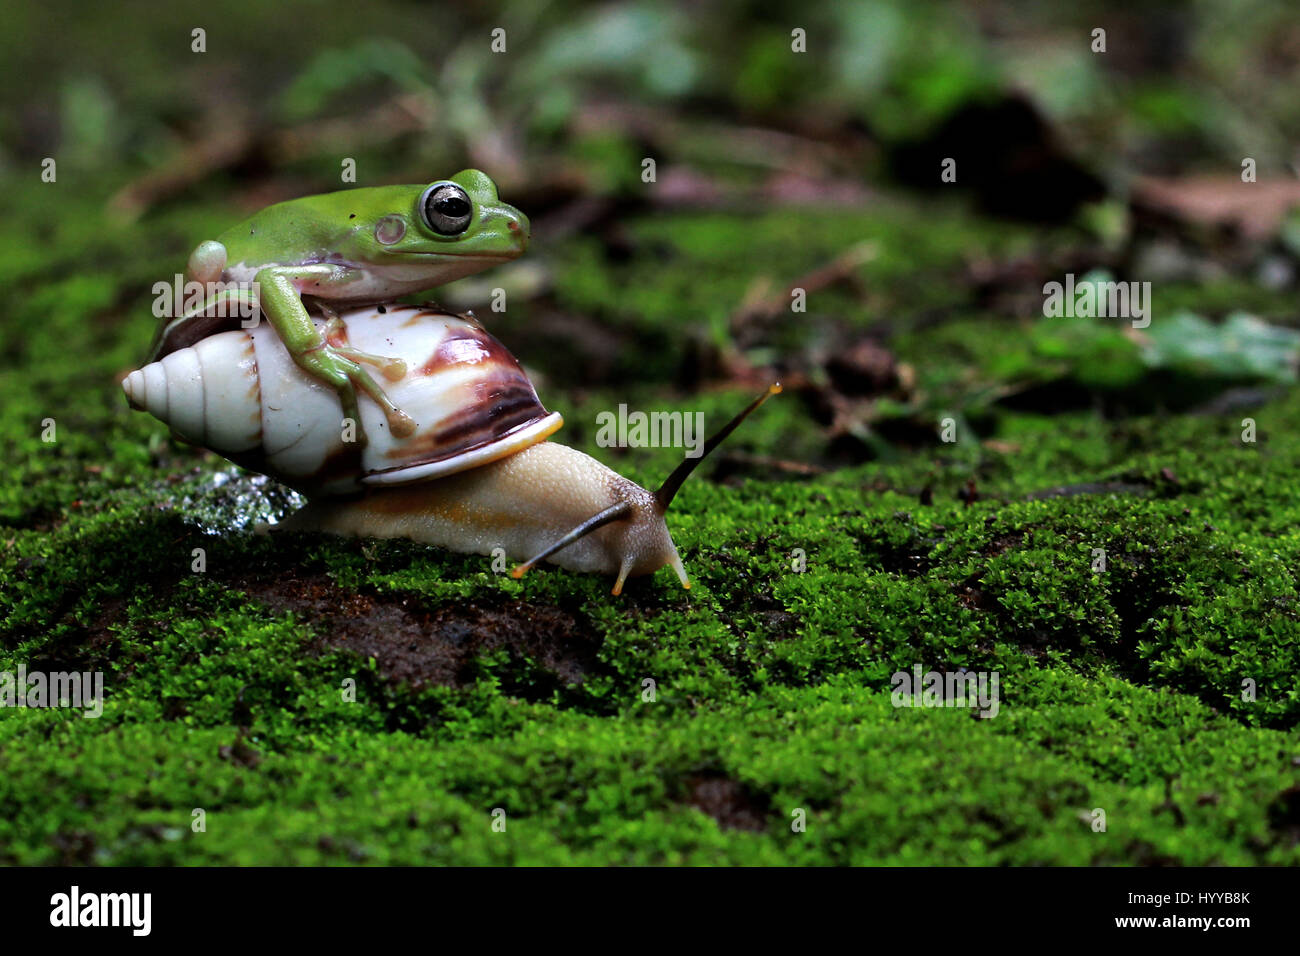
519,229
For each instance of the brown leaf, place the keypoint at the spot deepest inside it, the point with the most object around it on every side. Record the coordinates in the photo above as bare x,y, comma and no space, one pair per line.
1252,210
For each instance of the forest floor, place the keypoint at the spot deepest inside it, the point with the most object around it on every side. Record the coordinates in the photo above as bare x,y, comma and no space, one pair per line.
1104,533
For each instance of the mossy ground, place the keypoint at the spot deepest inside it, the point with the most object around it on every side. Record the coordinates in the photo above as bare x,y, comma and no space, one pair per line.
1121,689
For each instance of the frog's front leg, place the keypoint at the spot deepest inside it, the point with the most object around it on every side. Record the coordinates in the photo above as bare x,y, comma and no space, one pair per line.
336,334
281,302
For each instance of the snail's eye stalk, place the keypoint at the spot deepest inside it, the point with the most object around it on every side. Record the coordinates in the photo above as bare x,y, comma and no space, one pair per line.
612,513
663,498
668,490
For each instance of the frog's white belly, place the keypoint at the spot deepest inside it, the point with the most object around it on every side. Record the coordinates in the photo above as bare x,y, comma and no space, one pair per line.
379,282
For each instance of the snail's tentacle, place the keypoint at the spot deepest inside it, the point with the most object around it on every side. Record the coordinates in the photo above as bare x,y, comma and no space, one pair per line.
673,483
614,512
675,562
623,570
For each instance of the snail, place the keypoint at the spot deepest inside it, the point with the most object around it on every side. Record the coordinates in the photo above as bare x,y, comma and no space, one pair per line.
477,473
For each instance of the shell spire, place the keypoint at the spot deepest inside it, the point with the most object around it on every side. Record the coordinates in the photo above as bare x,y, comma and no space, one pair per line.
209,394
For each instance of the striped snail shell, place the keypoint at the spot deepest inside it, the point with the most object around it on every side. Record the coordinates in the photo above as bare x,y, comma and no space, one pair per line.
240,394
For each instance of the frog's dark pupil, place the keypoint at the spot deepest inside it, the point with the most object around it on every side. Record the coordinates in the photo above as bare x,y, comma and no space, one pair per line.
452,207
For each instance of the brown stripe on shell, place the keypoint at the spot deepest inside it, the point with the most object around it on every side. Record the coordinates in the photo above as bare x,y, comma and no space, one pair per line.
418,315
467,345
255,389
486,411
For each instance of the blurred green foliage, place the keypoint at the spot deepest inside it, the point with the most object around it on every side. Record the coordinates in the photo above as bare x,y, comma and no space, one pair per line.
1171,72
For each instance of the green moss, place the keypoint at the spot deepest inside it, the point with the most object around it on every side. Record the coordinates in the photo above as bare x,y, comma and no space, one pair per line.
1121,688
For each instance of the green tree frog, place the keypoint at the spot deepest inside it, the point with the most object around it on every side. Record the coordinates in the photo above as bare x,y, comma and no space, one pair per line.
352,247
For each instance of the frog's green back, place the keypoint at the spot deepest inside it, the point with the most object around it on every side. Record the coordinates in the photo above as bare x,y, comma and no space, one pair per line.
313,227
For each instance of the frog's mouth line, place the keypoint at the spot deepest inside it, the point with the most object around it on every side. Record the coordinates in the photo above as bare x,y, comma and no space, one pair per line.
468,255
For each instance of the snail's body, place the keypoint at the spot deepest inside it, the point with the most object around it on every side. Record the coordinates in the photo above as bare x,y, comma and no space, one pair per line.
476,475
521,504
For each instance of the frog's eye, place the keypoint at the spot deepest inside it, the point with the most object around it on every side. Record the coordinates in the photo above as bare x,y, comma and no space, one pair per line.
446,209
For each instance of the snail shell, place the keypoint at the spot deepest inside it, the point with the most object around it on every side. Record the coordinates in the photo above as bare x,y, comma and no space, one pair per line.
240,393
